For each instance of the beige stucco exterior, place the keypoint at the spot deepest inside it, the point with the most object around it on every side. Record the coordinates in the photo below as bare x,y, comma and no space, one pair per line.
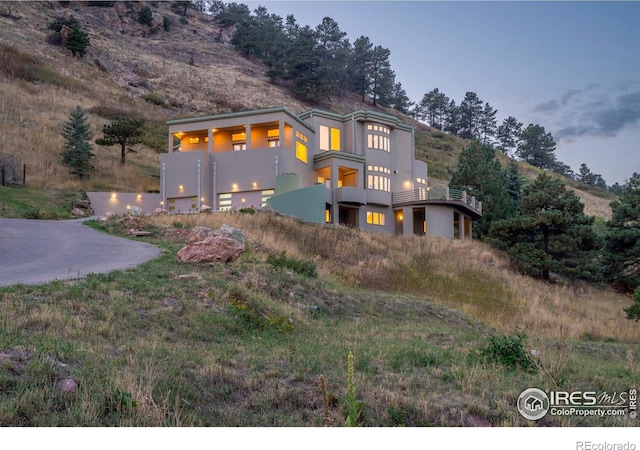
365,160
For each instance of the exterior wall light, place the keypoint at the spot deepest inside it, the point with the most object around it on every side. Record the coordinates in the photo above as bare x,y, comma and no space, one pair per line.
114,195
181,187
139,196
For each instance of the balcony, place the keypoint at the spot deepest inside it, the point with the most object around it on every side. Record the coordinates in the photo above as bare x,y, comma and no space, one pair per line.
443,196
351,195
375,197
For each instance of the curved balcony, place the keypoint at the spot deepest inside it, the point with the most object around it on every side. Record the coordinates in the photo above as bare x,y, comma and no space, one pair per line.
440,196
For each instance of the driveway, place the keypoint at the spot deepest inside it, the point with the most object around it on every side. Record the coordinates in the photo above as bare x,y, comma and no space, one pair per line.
40,251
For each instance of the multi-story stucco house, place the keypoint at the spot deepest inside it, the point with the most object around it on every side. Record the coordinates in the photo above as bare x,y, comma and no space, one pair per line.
357,169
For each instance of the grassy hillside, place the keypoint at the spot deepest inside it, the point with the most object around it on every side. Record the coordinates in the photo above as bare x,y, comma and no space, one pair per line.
244,344
190,69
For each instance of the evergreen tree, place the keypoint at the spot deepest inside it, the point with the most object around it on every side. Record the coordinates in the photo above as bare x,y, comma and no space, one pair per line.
470,111
399,99
433,108
124,132
77,40
487,123
585,175
537,147
334,51
622,244
361,63
303,66
508,135
633,311
479,173
382,77
452,119
514,184
77,153
551,233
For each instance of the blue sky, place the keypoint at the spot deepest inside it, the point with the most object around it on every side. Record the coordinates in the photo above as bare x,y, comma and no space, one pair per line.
572,67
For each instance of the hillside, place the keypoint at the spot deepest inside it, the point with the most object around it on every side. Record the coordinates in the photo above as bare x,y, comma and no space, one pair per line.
191,69
443,333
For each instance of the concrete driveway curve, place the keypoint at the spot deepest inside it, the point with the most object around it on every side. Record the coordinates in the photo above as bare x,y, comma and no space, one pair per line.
41,251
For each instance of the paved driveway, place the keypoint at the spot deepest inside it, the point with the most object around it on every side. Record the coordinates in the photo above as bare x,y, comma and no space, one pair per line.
40,251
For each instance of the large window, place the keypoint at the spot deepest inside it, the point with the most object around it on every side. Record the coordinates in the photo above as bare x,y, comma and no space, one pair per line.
375,218
329,138
239,141
301,147
376,180
378,137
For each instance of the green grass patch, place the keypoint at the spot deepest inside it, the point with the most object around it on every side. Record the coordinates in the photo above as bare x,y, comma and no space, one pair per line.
24,203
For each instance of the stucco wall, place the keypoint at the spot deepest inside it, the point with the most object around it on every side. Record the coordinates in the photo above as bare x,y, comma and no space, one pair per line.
117,202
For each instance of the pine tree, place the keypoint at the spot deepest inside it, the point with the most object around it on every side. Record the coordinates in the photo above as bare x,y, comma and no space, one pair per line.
487,123
508,135
622,244
77,153
551,233
480,175
433,108
537,147
585,175
123,132
360,67
470,114
514,184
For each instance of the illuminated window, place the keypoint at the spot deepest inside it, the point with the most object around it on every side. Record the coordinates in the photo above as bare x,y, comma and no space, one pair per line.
273,138
375,218
239,141
225,202
273,133
378,137
266,195
327,216
421,180
301,147
329,138
272,143
378,182
194,140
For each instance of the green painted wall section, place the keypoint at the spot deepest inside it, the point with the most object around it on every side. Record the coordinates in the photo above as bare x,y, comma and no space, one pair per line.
307,204
287,182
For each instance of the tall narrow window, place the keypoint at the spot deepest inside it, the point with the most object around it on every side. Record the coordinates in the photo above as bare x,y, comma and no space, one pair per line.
301,147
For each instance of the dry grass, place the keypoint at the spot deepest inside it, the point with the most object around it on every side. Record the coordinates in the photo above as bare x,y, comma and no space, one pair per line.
468,276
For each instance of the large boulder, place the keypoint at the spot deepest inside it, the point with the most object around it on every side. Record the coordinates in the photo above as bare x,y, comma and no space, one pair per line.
205,245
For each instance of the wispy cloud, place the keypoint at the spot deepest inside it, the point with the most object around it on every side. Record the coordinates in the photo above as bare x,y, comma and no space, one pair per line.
593,111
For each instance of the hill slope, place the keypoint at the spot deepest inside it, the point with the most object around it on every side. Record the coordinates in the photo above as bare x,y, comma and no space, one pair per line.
189,69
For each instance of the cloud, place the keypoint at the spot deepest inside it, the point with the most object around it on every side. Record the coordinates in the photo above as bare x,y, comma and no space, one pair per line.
593,111
550,106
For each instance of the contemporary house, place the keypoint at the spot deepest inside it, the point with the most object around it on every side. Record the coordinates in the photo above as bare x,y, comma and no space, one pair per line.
357,169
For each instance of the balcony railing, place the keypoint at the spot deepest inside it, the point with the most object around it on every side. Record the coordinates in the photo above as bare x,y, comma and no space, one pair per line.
446,194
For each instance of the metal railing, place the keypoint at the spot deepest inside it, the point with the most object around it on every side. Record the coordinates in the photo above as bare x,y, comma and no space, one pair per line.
446,194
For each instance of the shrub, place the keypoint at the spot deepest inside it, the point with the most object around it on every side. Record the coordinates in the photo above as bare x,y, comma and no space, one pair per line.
77,40
509,351
154,99
145,16
306,268
633,311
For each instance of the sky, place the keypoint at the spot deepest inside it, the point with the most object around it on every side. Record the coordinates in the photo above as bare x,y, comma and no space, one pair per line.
571,67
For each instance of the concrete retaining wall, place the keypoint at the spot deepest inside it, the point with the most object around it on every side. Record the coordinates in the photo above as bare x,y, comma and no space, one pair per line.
117,202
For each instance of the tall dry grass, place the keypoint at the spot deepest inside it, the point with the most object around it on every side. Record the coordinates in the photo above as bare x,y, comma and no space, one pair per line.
468,276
